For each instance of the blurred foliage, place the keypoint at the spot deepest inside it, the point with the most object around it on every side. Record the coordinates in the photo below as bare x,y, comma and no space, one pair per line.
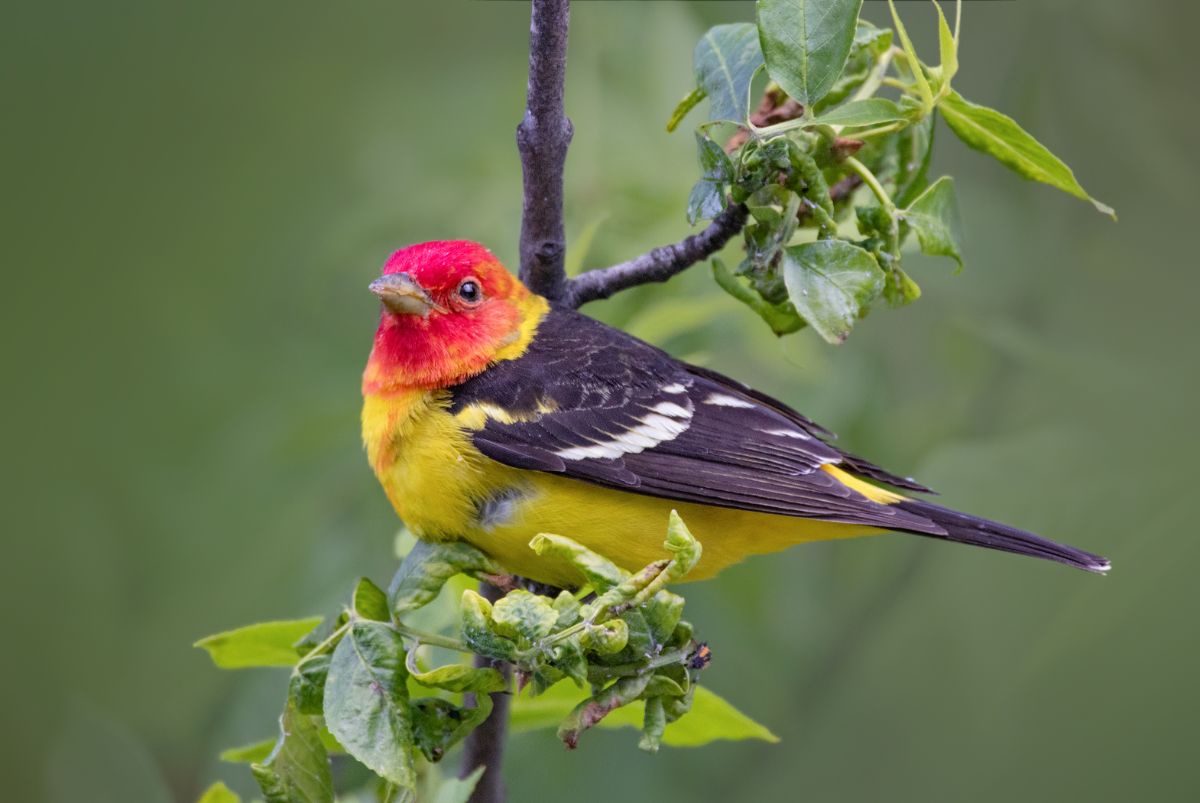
196,197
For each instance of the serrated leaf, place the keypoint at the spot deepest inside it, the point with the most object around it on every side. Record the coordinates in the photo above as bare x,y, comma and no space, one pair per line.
525,615
366,701
724,63
711,717
998,135
806,42
829,283
458,790
935,219
428,566
298,766
262,644
857,113
219,793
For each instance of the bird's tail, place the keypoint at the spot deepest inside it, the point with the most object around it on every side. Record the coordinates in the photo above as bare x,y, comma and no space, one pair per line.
967,529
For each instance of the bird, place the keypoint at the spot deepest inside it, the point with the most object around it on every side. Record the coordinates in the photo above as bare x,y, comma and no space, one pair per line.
491,415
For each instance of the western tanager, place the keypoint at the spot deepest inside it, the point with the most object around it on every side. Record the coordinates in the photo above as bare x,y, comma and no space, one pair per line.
491,416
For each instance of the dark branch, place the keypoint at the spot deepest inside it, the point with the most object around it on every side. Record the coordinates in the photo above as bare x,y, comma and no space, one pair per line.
660,264
542,139
484,746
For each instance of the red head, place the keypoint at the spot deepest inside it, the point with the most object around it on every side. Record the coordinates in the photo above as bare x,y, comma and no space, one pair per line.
449,309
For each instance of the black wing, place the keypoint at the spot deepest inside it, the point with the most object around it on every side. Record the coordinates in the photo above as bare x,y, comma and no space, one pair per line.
591,402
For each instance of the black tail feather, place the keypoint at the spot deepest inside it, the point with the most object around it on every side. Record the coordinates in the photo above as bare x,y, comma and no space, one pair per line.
967,529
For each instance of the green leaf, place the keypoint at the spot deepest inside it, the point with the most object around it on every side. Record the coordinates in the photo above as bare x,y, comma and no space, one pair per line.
856,113
806,43
716,171
520,614
596,570
934,217
258,751
457,677
307,685
711,718
369,602
913,153
830,283
654,722
248,753
458,790
366,701
219,793
428,566
782,321
914,63
439,724
947,43
724,63
606,637
478,629
684,548
263,644
686,105
298,767
993,133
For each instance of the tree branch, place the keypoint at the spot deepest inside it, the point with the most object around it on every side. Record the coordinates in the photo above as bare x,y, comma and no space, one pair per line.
660,264
484,746
542,140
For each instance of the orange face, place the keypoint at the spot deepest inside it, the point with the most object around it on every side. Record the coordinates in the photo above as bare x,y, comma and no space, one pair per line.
448,308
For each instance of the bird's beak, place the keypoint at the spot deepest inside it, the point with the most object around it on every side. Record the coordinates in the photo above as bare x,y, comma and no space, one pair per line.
401,293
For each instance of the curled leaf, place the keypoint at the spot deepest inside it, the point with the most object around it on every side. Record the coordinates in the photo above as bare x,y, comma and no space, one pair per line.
597,571
456,677
428,566
520,614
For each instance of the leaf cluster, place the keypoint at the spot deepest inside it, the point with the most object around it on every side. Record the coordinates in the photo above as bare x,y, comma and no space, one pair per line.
833,166
361,683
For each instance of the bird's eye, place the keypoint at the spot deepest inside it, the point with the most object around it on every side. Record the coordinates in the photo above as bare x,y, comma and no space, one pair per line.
469,291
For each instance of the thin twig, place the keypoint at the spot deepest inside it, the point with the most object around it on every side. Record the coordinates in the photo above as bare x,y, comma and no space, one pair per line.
484,746
660,264
542,139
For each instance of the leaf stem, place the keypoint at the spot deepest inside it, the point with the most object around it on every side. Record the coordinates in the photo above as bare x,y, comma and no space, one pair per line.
864,172
432,639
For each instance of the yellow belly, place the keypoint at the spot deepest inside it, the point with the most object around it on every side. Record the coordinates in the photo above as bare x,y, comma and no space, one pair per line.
444,489
629,529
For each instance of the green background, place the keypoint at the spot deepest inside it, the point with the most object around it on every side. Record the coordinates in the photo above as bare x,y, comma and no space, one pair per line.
195,197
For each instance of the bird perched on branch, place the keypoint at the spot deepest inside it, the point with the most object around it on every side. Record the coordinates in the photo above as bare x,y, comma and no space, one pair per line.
490,417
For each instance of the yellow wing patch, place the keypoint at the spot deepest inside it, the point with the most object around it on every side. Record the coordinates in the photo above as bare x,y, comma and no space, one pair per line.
872,492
